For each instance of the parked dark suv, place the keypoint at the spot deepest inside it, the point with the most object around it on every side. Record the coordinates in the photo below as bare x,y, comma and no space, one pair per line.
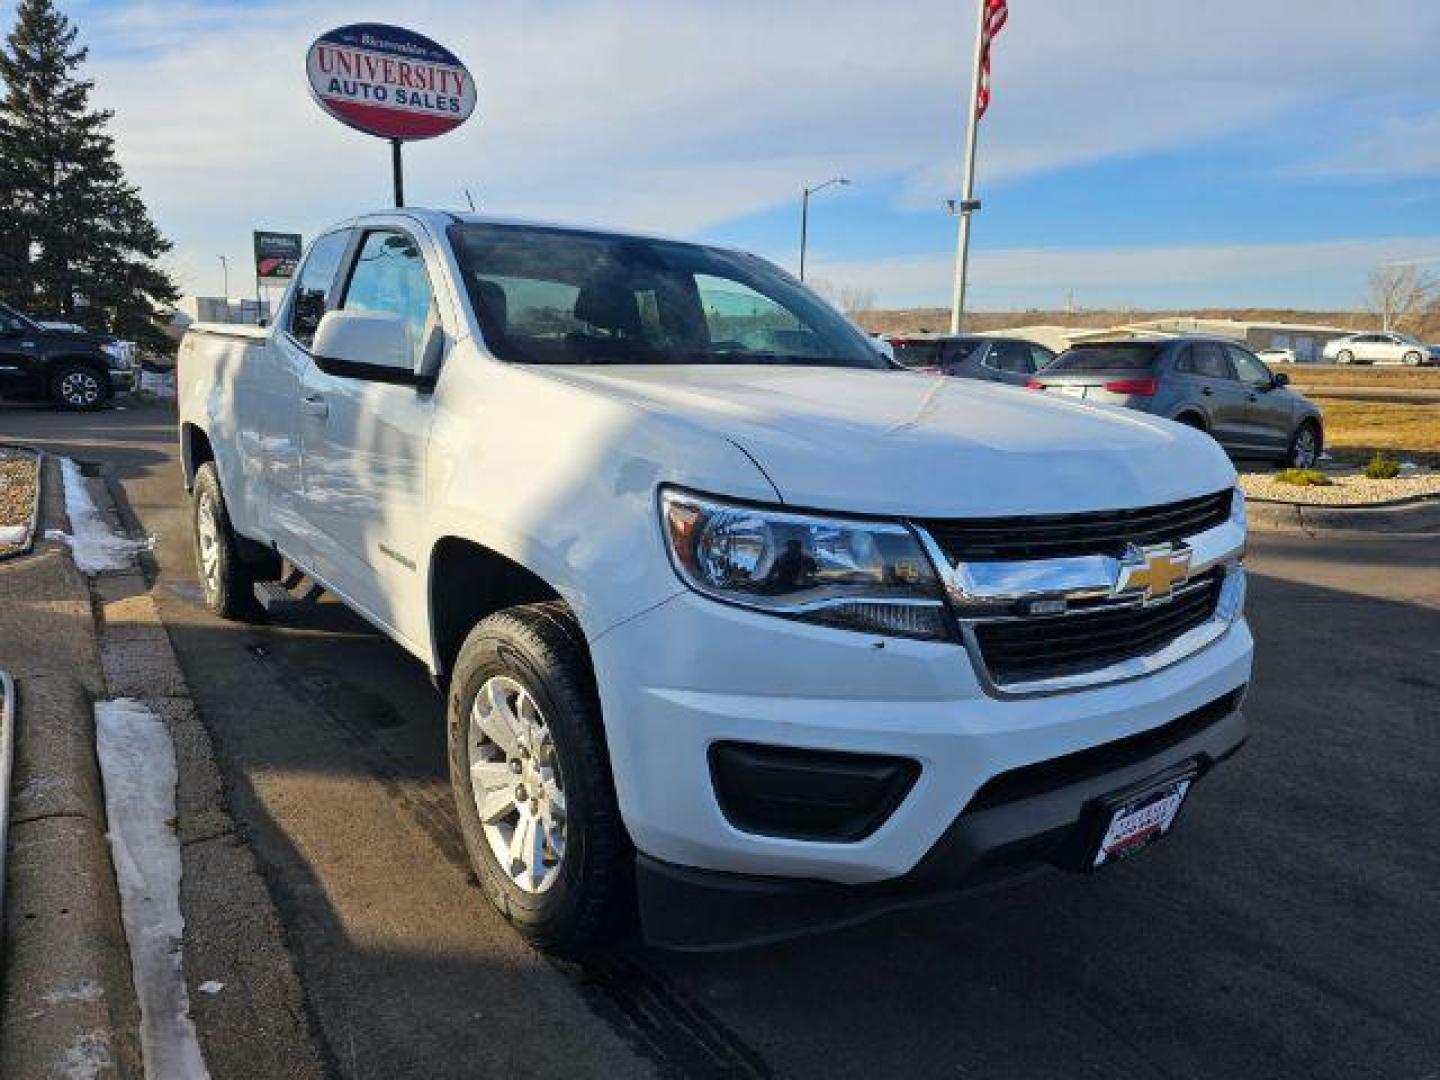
975,356
74,370
1209,383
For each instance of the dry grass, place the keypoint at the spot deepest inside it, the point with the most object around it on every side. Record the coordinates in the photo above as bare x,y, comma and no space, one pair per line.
1354,430
1303,376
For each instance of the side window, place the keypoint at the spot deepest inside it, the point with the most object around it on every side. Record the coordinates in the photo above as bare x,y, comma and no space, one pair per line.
1209,360
389,276
1185,362
1249,367
312,287
1040,356
1010,356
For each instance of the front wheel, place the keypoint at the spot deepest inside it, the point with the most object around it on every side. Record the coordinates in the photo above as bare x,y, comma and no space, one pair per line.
78,387
1412,359
228,583
531,778
1305,446
1344,356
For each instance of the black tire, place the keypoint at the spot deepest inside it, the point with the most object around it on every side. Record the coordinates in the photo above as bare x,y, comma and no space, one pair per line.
1297,456
1344,356
540,648
1413,359
229,586
78,387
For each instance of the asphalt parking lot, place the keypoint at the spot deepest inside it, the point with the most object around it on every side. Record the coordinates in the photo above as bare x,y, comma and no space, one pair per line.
1288,929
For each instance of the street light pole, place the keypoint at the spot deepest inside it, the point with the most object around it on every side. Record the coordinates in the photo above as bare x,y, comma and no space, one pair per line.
805,215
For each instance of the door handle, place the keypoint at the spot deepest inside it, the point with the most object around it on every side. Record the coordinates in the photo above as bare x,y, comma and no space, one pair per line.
1252,396
1207,391
315,405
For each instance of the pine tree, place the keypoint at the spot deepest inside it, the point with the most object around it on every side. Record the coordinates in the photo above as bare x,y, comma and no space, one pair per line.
76,241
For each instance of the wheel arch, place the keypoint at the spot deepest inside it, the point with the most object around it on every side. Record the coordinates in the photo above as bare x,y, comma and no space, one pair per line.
467,582
195,450
1192,416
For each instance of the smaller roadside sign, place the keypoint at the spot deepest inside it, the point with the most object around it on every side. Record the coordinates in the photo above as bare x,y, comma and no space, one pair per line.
277,255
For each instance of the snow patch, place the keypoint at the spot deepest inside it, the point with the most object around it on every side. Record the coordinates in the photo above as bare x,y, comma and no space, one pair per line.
84,990
86,1058
93,543
137,761
211,987
12,534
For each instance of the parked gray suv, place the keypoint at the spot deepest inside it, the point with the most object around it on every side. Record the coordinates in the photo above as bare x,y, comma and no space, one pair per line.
971,356
1209,383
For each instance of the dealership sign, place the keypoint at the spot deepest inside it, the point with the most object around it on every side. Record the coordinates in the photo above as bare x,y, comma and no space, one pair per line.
389,82
277,255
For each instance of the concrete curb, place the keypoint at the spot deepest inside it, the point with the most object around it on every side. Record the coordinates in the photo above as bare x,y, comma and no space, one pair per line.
65,990
224,900
1412,516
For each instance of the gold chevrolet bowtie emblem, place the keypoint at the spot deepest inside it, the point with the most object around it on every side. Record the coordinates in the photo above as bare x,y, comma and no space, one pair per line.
1153,571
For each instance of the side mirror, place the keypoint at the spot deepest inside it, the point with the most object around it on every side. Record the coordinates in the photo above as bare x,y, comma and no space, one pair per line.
1280,379
370,345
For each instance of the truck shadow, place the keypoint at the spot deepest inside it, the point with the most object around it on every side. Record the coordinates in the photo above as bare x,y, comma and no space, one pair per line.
1285,929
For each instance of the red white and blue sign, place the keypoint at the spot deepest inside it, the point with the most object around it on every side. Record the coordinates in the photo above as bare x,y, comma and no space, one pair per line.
389,82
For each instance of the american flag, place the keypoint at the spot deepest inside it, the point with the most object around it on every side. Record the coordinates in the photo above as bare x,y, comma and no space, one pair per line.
996,12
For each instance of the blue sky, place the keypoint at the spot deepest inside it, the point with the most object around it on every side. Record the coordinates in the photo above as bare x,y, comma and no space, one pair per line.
1138,152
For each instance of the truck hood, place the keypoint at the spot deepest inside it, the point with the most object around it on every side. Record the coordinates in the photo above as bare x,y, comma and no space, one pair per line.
898,443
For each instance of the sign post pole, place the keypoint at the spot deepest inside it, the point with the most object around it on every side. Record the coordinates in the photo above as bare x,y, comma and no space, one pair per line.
397,166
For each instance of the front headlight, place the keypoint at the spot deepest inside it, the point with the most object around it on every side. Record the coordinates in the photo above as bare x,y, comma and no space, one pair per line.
858,575
1237,507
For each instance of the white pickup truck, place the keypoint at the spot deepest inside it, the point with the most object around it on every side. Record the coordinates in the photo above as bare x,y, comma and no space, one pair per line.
739,624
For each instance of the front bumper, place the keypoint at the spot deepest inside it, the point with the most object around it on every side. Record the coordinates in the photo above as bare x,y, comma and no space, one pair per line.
1023,820
692,673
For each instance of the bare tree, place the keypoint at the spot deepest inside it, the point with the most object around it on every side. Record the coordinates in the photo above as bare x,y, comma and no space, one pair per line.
853,299
1400,293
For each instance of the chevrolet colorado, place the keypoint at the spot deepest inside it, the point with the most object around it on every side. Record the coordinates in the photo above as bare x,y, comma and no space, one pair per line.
739,624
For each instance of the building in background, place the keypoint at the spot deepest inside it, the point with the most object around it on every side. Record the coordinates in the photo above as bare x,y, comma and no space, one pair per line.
1306,340
218,309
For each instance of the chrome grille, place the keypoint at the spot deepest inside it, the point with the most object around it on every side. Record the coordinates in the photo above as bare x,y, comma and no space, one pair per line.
1031,648
1054,536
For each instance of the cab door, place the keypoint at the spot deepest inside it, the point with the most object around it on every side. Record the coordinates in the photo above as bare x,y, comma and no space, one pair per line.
19,352
1266,420
1210,382
363,447
267,401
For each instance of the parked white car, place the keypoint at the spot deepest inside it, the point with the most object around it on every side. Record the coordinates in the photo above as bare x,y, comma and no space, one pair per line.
1277,355
1377,348
735,619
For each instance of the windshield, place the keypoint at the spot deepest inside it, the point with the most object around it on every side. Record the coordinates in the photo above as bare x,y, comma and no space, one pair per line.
560,296
1107,356
10,319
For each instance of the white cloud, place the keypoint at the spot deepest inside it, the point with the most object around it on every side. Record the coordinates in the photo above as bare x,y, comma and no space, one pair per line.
679,115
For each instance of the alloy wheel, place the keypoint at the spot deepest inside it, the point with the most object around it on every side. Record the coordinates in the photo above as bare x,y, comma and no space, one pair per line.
80,389
515,781
1306,451
207,536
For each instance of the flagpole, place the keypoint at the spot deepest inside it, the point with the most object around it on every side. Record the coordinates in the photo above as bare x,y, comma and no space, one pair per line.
967,183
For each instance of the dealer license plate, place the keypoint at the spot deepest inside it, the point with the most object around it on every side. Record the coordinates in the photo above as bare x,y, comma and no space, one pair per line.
1072,391
1141,820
